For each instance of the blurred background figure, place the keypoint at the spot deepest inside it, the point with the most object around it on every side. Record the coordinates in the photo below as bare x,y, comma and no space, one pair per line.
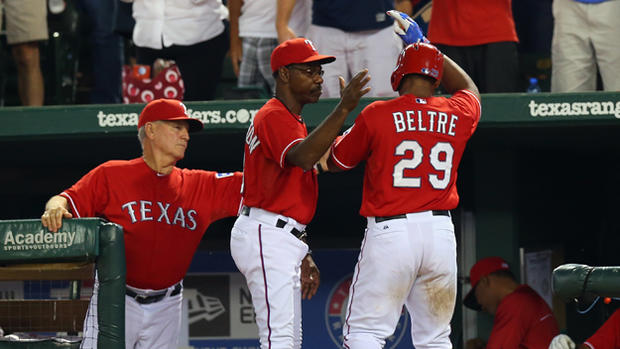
521,317
360,35
586,35
192,33
480,36
253,36
26,26
107,50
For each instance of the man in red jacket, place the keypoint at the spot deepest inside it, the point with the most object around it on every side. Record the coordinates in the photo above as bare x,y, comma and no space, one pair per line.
480,36
522,319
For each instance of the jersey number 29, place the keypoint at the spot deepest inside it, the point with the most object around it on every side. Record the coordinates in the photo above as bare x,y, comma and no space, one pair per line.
445,165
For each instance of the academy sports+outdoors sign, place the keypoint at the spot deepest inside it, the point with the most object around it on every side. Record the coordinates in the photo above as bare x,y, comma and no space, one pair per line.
27,241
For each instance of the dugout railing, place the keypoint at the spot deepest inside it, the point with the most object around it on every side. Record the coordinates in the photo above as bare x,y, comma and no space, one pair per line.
28,251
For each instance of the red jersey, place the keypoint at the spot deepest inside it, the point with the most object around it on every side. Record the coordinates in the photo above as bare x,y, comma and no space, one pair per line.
269,182
523,320
471,22
163,217
608,335
413,147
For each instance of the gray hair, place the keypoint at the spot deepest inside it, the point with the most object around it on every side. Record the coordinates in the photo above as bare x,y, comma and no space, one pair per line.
142,135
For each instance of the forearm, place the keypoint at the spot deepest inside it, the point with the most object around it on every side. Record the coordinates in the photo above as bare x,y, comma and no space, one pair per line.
310,150
455,78
283,14
234,11
57,201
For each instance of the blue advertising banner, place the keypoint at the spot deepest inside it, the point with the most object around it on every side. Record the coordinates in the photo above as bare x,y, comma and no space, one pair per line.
220,313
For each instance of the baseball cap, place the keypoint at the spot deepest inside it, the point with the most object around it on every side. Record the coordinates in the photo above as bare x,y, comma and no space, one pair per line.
295,51
167,109
482,268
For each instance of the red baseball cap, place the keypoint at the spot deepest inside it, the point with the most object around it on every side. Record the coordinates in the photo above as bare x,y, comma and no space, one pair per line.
167,109
298,50
482,268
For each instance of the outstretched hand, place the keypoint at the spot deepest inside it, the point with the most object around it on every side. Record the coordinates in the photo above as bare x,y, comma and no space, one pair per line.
310,277
406,28
351,93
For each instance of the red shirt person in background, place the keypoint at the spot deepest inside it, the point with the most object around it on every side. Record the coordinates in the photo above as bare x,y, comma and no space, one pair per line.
522,319
480,36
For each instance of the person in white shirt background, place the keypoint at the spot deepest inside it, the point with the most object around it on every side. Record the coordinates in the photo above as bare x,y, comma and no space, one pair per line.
253,35
191,33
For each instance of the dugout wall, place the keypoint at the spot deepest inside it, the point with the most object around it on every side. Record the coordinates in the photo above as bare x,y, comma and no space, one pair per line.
28,251
541,171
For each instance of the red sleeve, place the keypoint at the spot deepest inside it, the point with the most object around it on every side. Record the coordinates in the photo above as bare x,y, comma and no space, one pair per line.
353,146
507,332
277,133
608,335
469,105
224,193
89,196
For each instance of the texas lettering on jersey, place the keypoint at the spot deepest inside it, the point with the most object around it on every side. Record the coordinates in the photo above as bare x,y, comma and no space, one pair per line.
163,217
144,210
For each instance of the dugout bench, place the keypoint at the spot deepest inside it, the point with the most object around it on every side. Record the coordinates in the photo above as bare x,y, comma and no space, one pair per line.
28,251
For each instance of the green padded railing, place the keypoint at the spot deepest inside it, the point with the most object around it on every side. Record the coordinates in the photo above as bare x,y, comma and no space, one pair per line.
575,280
79,240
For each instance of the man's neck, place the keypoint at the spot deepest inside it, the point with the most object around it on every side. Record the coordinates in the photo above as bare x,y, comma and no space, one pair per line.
162,164
289,101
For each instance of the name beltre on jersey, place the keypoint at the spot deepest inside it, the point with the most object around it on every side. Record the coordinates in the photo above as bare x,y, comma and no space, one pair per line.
425,121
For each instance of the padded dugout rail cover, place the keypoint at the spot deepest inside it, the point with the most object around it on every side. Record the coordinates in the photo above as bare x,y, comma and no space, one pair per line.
28,241
573,280
84,239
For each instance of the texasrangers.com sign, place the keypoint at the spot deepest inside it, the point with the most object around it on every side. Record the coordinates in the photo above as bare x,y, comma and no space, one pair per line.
564,108
242,116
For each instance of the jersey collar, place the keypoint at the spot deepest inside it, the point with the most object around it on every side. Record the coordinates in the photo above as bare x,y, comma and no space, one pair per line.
297,117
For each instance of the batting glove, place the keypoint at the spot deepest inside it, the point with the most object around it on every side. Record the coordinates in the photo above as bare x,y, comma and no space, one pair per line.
562,341
406,28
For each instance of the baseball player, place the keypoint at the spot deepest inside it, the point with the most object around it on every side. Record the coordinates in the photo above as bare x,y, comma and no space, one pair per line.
280,191
606,337
521,318
412,146
164,211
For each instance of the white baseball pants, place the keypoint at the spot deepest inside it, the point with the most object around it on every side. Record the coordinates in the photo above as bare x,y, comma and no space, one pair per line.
155,325
270,259
411,262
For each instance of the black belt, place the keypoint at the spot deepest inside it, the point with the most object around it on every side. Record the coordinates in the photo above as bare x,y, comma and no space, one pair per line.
281,223
142,299
399,216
